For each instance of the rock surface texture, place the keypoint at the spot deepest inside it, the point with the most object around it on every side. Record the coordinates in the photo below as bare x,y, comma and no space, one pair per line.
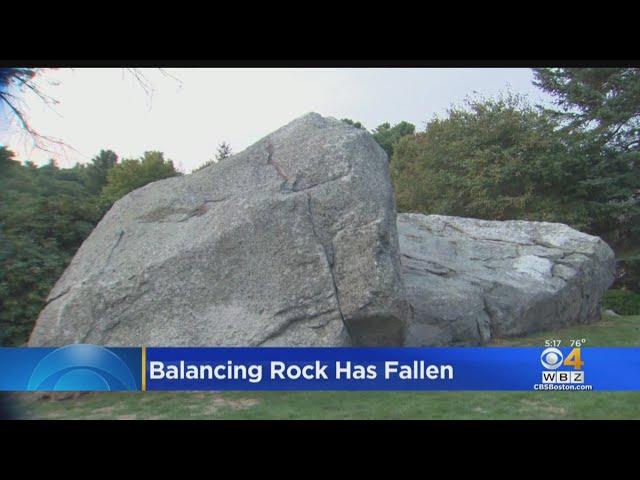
290,242
469,280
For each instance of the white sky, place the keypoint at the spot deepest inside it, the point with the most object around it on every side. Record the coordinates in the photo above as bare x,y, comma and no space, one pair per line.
106,108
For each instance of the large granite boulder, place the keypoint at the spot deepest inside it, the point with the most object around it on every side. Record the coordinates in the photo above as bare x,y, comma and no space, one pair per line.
291,242
470,281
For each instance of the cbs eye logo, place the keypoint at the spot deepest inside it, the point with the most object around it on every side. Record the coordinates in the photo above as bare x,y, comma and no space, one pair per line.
82,368
552,358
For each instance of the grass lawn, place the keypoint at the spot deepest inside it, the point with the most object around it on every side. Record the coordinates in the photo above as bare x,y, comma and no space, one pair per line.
610,331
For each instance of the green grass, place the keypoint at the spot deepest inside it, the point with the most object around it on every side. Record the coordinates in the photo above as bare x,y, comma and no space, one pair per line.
618,331
608,332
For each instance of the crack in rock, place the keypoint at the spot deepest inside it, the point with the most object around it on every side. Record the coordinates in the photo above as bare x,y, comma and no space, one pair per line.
60,295
160,215
282,328
113,249
330,259
271,161
427,266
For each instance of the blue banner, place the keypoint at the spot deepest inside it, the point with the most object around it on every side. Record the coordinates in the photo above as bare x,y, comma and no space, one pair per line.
95,368
71,368
463,368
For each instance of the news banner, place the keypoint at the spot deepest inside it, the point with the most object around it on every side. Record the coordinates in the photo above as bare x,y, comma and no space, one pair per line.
82,367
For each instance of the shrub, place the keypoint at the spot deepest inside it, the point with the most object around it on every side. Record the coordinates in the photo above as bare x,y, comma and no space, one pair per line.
623,302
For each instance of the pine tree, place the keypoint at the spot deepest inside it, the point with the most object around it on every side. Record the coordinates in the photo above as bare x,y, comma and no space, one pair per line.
599,110
223,151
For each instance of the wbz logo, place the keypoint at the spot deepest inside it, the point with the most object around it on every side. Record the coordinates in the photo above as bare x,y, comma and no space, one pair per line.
562,377
552,358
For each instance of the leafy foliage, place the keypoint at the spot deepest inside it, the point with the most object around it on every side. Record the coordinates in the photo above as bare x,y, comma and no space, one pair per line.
495,159
94,174
504,159
353,123
45,215
604,102
599,110
387,136
623,302
134,173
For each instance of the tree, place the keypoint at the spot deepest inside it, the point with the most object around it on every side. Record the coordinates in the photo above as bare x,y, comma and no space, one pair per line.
94,174
223,151
130,174
7,161
45,214
599,111
602,101
348,121
494,159
387,136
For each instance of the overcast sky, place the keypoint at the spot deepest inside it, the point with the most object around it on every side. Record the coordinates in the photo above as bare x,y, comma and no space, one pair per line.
188,117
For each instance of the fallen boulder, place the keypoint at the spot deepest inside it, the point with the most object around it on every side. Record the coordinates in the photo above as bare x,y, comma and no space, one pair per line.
291,242
470,281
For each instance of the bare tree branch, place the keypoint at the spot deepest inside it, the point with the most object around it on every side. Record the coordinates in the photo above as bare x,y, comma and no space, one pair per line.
172,77
41,142
23,78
